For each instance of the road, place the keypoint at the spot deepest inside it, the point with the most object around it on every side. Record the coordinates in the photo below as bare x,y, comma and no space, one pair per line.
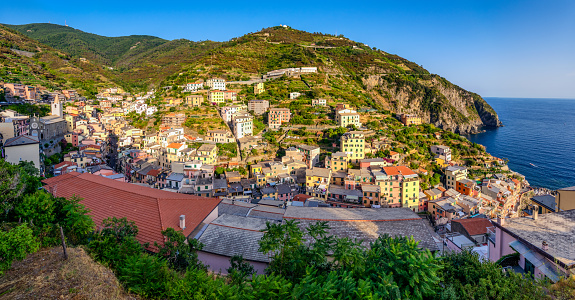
111,151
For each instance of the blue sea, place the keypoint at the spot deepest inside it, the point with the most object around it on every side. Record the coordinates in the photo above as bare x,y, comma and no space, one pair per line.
536,131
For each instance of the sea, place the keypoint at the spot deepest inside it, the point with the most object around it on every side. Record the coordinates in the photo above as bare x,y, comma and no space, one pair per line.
538,138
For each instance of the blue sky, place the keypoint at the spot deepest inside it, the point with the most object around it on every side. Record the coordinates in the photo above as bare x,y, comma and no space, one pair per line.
494,48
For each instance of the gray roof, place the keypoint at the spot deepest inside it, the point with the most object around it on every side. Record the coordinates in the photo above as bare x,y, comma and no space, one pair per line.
557,229
268,190
275,203
229,235
284,189
267,212
220,184
175,176
366,224
238,208
548,201
21,140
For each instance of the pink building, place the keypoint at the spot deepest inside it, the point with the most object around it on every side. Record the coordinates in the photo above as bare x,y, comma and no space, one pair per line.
544,243
277,116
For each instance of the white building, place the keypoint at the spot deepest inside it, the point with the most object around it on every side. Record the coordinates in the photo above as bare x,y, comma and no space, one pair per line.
23,148
194,86
442,152
151,110
294,95
216,84
228,112
243,125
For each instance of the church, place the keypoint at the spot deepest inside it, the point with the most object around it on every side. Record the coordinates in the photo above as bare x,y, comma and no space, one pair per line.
51,127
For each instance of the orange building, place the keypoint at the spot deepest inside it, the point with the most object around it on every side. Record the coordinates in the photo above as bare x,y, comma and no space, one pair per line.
465,186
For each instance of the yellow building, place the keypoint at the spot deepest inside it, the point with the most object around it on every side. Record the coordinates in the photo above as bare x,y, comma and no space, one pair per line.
337,162
408,119
194,100
410,192
259,88
174,101
216,96
353,144
207,153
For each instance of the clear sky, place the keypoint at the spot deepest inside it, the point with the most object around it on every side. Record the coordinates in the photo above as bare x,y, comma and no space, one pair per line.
495,48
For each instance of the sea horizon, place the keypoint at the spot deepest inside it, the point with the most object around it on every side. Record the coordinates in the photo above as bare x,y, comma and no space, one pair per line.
537,145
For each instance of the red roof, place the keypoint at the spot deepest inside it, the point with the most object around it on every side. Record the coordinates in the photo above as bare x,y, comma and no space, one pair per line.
65,163
175,145
153,210
301,197
474,226
403,170
154,172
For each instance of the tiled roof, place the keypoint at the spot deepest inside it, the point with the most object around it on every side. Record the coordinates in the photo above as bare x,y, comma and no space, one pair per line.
229,235
474,226
153,210
301,197
366,224
403,170
65,163
175,145
21,140
557,229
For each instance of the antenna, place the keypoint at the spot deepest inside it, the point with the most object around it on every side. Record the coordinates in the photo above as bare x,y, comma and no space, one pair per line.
65,23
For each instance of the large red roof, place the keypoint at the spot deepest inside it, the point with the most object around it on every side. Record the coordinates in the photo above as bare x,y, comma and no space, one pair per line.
153,210
474,226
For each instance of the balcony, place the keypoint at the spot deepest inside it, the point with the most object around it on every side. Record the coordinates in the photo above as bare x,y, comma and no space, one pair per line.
491,234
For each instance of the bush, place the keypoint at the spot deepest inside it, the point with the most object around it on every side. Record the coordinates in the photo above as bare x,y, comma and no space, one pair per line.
15,244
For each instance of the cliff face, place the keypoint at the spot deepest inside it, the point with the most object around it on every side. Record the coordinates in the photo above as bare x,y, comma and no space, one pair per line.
436,101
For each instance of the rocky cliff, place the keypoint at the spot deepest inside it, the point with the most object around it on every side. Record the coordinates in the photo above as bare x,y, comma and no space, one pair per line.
435,100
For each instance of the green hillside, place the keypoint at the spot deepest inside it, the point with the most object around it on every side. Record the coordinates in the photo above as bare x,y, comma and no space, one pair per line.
348,71
135,61
27,61
104,50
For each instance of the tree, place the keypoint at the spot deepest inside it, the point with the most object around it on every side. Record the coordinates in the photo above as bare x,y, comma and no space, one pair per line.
414,270
120,229
15,244
179,251
239,269
13,184
76,221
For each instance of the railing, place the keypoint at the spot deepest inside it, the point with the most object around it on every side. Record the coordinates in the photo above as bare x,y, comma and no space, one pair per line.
491,234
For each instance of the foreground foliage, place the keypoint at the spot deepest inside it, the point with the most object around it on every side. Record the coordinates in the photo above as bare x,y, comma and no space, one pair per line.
390,268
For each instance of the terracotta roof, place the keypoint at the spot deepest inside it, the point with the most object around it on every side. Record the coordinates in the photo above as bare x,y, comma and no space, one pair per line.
154,172
65,163
153,210
175,145
403,170
474,226
301,197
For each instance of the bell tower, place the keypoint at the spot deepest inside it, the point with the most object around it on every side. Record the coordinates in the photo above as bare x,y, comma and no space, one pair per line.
57,107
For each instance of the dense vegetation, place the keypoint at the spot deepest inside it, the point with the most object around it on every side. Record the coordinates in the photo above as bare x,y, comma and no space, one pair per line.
391,268
350,71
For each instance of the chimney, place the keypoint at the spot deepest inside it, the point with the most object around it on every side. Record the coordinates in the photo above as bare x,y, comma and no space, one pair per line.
535,212
501,221
544,246
183,221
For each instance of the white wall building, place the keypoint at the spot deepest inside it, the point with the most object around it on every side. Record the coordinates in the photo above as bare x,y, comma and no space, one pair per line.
216,84
243,125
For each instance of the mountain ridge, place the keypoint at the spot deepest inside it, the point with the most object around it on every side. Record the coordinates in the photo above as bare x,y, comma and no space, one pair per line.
349,70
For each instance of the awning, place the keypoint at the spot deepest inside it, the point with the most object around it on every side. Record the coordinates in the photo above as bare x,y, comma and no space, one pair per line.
536,259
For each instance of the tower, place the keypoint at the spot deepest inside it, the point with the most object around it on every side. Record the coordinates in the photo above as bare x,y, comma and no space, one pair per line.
56,107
